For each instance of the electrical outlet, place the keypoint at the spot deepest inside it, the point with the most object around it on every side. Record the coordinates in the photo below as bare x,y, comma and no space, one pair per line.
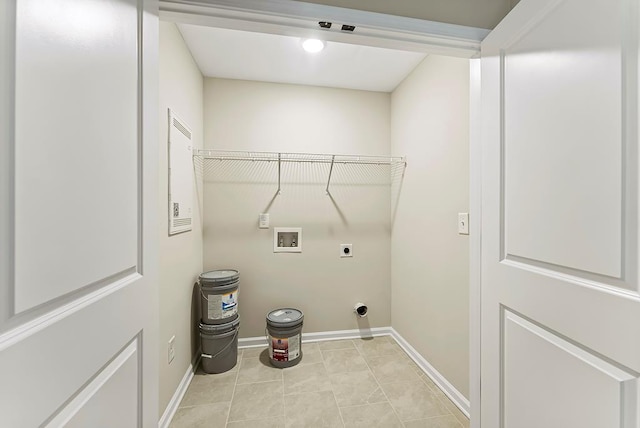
346,250
463,223
171,349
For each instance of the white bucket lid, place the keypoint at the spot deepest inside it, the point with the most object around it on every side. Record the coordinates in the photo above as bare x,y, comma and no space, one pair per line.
219,277
285,317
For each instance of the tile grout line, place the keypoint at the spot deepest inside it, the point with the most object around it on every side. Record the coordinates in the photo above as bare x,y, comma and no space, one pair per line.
335,400
437,392
439,395
235,385
435,417
284,396
380,387
428,382
333,394
444,403
262,381
281,371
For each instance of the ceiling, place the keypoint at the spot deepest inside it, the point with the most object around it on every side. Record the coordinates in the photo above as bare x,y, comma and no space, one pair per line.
233,54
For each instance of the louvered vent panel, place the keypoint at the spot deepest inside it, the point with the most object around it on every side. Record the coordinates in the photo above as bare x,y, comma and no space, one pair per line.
181,222
181,128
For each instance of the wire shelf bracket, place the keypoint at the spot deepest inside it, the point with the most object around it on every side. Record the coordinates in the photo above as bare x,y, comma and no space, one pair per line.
333,159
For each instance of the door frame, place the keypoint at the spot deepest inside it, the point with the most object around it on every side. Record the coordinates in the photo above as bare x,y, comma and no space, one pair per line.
299,19
475,237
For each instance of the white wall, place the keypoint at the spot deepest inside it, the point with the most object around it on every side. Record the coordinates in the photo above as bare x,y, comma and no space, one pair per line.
476,13
430,261
406,247
181,86
241,115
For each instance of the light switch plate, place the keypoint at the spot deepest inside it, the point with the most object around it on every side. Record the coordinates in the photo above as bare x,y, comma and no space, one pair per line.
463,223
263,221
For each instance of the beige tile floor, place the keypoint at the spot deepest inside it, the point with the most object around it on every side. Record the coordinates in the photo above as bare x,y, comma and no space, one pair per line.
345,383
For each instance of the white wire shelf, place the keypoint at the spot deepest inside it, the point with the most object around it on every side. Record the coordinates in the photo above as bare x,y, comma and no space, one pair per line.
298,157
279,158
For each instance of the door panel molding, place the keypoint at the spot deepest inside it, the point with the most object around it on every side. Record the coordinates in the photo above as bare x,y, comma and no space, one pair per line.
625,275
602,283
77,295
21,328
121,364
630,141
27,302
601,362
66,354
7,156
612,383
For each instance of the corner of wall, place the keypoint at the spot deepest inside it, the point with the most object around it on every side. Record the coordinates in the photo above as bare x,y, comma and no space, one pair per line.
430,261
181,89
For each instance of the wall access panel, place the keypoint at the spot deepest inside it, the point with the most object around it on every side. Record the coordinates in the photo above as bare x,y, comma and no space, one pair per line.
180,175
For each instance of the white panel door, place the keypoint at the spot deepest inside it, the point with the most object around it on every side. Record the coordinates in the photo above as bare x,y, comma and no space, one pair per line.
560,331
78,310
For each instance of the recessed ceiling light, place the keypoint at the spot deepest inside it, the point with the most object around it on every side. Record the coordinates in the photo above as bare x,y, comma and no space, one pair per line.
312,45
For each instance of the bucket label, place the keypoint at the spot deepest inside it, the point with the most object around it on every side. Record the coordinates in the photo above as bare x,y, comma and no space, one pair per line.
285,348
222,305
229,304
294,347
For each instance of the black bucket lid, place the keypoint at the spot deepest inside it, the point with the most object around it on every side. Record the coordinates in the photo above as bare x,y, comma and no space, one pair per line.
219,277
219,328
285,317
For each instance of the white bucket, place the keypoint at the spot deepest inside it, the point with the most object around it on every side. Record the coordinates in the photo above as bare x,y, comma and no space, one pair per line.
219,346
219,295
284,334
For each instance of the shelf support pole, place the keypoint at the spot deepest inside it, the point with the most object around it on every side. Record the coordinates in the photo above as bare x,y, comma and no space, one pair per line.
279,166
333,158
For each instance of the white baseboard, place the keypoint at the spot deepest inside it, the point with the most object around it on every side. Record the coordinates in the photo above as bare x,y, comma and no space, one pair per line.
253,342
454,395
172,407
